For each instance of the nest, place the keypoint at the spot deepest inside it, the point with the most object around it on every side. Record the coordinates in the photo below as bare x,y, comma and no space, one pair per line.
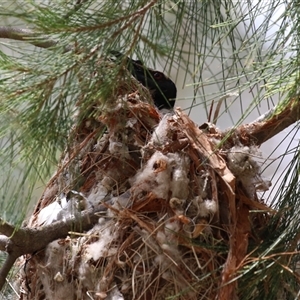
178,220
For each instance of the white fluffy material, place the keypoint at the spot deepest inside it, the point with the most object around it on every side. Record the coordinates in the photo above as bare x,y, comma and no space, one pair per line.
63,208
114,294
168,238
243,163
163,173
159,136
54,255
117,147
122,200
131,122
180,181
207,208
155,177
98,193
102,247
51,213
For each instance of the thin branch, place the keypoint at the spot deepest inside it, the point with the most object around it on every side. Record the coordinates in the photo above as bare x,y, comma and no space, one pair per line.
76,7
26,35
129,18
6,228
35,39
9,262
33,239
29,240
266,127
260,132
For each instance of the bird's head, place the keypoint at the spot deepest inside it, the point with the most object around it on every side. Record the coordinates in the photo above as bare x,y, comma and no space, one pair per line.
162,88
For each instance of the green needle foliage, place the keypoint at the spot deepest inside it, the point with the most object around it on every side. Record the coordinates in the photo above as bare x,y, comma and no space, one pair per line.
273,268
221,50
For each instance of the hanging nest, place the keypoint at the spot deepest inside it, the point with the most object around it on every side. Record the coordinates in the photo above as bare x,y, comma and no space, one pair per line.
177,219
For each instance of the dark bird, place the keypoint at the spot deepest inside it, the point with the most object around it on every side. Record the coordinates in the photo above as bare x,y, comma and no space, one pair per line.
162,88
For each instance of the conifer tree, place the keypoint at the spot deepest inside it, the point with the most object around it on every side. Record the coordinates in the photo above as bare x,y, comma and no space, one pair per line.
141,202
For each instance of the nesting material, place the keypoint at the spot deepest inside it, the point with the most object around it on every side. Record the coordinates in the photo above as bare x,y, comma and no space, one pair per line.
178,220
244,163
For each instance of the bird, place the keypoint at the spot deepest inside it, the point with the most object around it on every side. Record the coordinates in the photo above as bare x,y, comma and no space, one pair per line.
162,88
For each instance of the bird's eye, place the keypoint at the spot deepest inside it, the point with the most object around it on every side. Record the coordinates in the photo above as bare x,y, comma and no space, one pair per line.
158,76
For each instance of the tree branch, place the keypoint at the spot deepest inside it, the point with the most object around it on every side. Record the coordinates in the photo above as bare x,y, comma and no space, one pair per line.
26,35
261,131
6,228
9,262
35,39
266,127
29,240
